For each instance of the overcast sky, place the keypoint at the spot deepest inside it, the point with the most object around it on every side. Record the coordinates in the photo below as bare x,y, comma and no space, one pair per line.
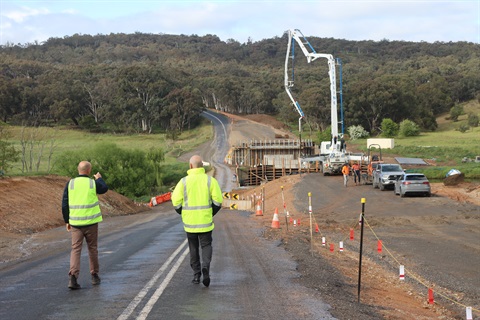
410,20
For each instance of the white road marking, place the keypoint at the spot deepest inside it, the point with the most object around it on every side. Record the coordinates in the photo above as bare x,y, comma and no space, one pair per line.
156,295
138,298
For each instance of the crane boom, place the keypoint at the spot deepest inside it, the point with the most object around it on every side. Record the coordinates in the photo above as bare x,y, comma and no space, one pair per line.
295,35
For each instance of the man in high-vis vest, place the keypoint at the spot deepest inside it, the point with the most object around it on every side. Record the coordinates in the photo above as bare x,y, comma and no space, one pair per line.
81,213
197,198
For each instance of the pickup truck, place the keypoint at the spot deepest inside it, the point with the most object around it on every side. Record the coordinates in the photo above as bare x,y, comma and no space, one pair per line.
386,174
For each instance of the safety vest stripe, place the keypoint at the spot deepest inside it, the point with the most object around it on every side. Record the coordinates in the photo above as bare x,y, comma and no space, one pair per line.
197,207
72,184
87,206
185,195
86,218
198,226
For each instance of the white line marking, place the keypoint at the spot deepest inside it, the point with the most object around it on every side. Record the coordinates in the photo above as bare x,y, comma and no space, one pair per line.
131,307
156,295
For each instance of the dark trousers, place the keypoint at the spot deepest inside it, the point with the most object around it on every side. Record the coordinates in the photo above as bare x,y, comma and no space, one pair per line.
195,242
356,174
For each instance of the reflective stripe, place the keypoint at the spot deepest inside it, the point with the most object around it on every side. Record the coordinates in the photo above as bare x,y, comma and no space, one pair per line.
198,226
185,195
72,184
87,206
86,218
197,207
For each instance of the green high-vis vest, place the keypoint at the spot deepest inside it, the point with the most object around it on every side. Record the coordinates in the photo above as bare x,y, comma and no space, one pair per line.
83,202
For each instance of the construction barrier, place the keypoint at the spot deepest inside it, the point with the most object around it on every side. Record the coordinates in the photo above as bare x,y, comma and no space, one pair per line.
275,220
160,199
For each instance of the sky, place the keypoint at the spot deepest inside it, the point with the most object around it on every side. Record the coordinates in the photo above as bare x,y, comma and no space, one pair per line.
23,22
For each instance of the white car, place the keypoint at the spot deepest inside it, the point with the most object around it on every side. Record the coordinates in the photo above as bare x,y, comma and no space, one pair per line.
412,183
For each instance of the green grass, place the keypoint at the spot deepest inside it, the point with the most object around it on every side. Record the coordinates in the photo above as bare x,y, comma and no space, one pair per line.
65,140
446,147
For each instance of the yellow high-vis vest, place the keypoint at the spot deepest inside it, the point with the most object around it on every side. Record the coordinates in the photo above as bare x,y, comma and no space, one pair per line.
83,202
195,193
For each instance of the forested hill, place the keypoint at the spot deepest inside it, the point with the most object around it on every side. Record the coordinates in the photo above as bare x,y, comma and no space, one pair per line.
145,82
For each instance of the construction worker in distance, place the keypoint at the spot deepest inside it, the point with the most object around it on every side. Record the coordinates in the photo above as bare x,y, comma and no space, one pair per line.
346,173
81,213
197,198
356,172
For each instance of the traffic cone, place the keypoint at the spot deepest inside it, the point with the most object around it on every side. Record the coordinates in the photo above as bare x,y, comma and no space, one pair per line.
317,230
275,221
259,209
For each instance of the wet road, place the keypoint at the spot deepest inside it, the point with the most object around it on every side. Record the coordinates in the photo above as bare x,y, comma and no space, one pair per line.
146,274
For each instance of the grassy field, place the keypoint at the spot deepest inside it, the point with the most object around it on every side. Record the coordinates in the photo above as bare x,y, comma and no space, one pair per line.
60,140
446,146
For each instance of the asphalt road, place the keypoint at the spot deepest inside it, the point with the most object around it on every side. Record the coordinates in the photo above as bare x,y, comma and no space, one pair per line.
145,270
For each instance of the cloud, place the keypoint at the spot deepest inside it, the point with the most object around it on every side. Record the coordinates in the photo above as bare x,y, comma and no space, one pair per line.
240,20
24,13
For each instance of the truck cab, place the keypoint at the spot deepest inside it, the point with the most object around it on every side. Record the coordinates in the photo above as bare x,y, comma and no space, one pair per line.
386,174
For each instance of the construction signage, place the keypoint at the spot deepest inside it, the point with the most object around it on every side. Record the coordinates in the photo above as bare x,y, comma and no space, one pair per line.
226,195
233,206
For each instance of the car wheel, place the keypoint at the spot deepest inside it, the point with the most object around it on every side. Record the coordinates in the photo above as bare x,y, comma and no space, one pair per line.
402,194
428,194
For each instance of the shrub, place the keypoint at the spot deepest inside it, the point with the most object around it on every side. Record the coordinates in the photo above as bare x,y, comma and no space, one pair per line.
473,119
357,132
455,112
129,172
389,128
463,128
409,128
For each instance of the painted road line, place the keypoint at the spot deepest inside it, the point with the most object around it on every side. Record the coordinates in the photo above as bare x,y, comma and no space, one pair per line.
139,297
148,307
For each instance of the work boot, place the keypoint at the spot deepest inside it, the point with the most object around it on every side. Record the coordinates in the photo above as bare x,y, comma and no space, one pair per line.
73,284
95,279
206,277
196,278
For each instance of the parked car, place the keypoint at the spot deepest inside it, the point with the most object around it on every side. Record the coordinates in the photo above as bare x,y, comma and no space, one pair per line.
412,183
386,174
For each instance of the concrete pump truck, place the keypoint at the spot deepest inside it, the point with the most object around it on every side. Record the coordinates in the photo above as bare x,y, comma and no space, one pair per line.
332,153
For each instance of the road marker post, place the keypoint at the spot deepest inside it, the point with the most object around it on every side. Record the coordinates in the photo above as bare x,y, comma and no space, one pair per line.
361,221
311,222
402,273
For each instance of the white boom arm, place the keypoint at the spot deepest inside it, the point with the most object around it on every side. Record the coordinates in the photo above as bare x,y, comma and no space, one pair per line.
296,35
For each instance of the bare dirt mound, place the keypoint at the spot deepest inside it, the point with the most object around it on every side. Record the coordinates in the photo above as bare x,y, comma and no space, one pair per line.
33,204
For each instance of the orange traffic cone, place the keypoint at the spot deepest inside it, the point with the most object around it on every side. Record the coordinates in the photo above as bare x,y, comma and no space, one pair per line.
259,209
317,230
275,221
